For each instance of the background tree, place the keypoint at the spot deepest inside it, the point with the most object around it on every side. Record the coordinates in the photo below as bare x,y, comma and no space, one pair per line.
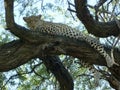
23,55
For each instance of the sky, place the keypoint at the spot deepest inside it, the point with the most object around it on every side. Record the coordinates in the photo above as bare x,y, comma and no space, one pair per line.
59,18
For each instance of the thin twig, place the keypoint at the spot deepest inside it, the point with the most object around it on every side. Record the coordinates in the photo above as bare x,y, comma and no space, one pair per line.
18,74
69,8
70,3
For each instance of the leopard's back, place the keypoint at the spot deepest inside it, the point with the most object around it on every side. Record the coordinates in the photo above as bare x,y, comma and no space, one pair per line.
35,23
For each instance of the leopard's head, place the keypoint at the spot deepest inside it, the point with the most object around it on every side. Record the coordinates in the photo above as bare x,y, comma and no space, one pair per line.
32,21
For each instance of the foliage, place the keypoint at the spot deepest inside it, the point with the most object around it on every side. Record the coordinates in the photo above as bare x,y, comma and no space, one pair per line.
34,75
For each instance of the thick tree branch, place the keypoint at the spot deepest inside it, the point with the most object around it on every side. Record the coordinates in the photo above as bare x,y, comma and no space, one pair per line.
99,29
32,43
54,64
17,53
9,5
114,82
14,54
14,28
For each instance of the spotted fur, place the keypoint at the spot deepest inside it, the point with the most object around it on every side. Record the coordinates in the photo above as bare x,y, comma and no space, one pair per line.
36,23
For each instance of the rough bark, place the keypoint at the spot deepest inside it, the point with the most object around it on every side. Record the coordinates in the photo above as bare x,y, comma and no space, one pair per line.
18,52
99,29
32,45
54,64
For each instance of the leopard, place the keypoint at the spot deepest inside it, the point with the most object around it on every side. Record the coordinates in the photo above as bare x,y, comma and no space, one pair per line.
38,24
